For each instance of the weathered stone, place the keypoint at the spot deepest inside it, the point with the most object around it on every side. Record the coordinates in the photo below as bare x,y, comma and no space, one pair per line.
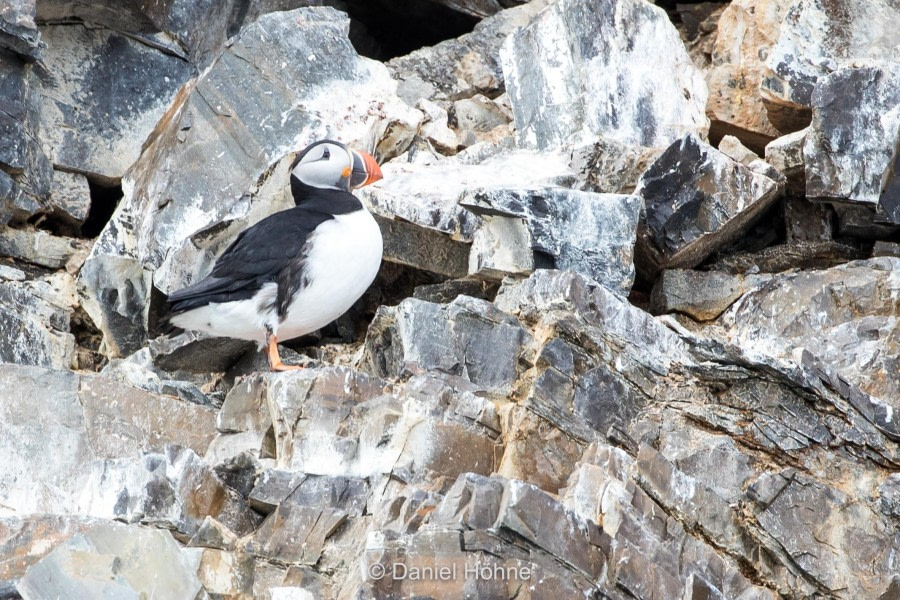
215,190
732,147
459,67
113,560
829,312
447,291
435,129
75,419
702,295
806,221
852,146
862,222
188,352
886,249
697,201
474,116
786,154
70,199
816,38
422,248
698,25
226,574
89,125
456,338
212,534
39,247
581,231
272,488
198,27
747,30
609,167
35,319
18,31
609,88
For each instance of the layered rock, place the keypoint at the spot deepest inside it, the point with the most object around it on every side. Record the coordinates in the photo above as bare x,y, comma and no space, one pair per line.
588,67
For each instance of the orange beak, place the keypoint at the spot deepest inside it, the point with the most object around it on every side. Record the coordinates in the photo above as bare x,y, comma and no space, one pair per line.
365,169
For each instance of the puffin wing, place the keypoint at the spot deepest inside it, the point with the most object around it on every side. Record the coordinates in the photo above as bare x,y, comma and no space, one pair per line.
256,257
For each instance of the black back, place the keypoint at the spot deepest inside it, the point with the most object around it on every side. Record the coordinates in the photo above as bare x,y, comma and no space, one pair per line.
273,250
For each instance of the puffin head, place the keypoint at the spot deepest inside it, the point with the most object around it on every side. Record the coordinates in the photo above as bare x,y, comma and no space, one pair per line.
327,164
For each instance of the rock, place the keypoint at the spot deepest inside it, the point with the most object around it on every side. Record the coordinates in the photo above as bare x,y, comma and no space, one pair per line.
732,147
458,68
474,116
35,320
435,128
862,222
447,291
188,352
197,27
698,24
408,191
25,170
416,337
179,240
78,418
18,31
609,167
272,488
697,201
585,232
806,221
849,306
747,31
70,200
851,148
786,154
422,248
702,295
886,249
103,136
113,560
39,247
602,89
817,38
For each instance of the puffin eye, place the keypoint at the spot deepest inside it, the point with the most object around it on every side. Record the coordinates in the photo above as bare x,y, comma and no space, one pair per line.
326,154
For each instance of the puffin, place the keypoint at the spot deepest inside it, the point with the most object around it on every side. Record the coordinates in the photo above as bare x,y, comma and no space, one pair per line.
296,270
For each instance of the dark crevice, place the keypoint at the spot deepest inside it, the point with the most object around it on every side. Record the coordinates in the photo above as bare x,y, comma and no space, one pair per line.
104,200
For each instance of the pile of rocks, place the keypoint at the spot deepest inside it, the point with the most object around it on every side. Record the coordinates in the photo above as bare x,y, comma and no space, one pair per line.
636,335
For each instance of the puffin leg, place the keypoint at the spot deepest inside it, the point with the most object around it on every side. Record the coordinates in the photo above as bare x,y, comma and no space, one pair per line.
275,363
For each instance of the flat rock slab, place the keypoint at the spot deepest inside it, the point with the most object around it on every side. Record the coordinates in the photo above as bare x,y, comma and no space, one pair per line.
18,31
816,38
702,295
114,561
851,150
698,200
585,232
591,66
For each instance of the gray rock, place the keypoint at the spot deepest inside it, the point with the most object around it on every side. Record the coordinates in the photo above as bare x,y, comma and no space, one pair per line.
232,172
422,248
467,337
702,295
188,352
18,31
113,560
272,487
474,116
70,199
698,200
562,83
199,28
585,232
786,154
816,38
862,222
435,129
609,167
460,67
39,247
732,147
807,221
89,125
35,320
851,148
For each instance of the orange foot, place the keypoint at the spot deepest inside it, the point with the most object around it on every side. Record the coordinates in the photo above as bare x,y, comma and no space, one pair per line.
275,363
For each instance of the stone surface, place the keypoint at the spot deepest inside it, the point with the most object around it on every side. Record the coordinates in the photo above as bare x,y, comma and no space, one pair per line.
702,295
786,154
113,560
213,152
746,32
18,31
92,126
70,199
39,247
732,147
585,232
698,200
816,38
35,320
852,146
562,82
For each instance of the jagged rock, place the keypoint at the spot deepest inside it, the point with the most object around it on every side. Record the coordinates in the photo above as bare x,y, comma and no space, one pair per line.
564,229
844,314
806,221
851,149
70,199
699,200
472,117
461,67
18,31
607,89
272,488
457,338
25,171
732,147
422,248
89,125
702,295
609,167
816,38
886,249
189,352
747,30
39,247
446,291
197,27
862,222
213,534
75,419
698,24
226,574
35,319
786,154
435,128
113,560
220,145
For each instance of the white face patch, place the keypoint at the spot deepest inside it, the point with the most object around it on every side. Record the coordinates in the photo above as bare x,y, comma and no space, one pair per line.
326,165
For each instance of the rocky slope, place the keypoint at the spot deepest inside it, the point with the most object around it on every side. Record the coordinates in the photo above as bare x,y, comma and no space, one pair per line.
636,335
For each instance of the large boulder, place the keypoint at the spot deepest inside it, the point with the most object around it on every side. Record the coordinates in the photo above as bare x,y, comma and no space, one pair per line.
18,31
591,67
269,94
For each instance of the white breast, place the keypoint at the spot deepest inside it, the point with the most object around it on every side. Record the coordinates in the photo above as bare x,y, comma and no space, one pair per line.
343,260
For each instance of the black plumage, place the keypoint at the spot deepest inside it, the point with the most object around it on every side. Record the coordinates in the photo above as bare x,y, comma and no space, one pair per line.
272,250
